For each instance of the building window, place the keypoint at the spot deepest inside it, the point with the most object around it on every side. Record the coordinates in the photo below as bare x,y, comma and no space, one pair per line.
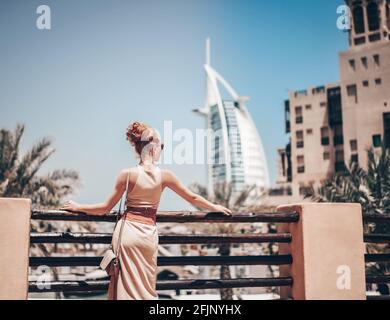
355,158
325,136
365,83
353,144
358,19
309,131
364,62
339,155
339,163
326,155
298,115
305,190
352,92
308,107
386,128
377,61
388,15
338,137
299,136
374,37
359,40
378,81
376,140
373,16
287,115
323,104
352,64
300,164
301,169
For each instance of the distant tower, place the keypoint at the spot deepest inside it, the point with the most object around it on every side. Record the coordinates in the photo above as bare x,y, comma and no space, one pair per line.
235,149
370,21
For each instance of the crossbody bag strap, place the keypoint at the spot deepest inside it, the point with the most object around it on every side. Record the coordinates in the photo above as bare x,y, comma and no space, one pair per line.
120,213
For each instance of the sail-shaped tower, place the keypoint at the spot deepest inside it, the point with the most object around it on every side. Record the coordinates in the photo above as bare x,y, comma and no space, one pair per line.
235,150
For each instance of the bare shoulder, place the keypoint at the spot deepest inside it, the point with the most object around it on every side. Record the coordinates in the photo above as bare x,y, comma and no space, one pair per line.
125,173
168,177
168,174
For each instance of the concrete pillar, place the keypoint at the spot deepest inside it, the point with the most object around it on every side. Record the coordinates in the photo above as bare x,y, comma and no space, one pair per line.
14,248
328,252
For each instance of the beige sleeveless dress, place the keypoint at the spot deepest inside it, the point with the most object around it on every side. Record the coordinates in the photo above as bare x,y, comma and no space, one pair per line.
139,242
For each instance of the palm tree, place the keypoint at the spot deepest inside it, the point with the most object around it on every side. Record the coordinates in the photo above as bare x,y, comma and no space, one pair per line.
19,178
19,175
371,188
237,202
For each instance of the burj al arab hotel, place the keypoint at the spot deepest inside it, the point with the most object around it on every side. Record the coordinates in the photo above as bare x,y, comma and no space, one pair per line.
234,147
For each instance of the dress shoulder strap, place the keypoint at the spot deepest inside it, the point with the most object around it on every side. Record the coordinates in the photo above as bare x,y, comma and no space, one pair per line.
127,183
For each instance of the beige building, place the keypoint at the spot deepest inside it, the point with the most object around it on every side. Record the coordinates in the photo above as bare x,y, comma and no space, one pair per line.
331,125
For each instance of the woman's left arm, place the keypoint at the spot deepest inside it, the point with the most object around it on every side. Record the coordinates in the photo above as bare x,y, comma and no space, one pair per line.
104,207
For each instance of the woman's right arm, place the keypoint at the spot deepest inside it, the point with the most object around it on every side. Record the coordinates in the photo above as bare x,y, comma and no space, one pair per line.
103,207
173,183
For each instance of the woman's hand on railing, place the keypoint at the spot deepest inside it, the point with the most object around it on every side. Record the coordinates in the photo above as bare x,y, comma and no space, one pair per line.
71,206
224,210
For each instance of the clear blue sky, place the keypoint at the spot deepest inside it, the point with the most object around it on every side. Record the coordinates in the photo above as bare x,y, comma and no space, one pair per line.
106,63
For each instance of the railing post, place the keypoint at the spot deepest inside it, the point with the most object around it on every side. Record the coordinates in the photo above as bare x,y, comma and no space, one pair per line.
14,247
327,250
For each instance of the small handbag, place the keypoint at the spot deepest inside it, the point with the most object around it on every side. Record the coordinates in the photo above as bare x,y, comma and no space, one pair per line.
110,262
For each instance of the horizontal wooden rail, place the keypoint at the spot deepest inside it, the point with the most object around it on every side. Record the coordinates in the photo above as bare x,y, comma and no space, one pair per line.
105,238
102,285
376,238
377,257
376,217
69,286
169,261
377,279
70,237
173,216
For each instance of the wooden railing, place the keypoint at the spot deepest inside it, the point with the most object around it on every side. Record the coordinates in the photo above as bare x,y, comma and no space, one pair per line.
167,217
190,217
380,257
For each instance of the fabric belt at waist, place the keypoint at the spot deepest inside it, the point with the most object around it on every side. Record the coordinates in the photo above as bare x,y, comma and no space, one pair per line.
141,214
146,211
